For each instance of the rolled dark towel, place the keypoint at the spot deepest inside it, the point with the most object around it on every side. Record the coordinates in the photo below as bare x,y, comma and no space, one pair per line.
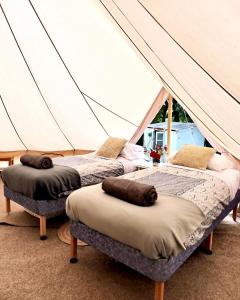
130,191
36,161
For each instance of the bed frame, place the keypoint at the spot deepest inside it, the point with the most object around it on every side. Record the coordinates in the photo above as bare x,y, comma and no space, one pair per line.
42,209
158,270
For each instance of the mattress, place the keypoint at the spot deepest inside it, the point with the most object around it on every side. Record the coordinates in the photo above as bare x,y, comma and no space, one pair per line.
188,203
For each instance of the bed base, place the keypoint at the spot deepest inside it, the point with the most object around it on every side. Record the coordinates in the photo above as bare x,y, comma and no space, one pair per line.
41,209
157,270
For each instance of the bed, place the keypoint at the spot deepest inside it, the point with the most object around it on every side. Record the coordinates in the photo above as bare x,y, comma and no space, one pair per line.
43,192
156,240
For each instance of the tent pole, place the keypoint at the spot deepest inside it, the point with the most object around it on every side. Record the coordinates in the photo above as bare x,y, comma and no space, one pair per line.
169,130
154,109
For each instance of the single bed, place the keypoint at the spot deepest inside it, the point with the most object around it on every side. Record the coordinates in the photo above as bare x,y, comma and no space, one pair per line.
43,192
155,240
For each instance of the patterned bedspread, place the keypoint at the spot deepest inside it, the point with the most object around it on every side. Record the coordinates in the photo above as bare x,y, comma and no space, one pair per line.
208,192
92,169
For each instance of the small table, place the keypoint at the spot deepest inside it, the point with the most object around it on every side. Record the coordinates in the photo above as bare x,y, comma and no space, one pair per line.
9,159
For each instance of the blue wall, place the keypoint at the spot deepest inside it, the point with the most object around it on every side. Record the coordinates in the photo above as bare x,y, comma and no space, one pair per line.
190,135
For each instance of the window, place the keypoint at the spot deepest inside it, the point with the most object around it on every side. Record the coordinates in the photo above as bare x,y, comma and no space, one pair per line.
159,139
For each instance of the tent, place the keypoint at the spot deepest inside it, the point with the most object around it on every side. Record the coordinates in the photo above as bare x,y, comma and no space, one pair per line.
74,72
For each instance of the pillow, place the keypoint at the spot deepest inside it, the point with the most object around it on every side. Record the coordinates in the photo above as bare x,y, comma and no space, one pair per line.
132,152
220,162
111,148
193,156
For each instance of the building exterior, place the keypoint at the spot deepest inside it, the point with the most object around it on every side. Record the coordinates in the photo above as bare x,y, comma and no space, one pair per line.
182,133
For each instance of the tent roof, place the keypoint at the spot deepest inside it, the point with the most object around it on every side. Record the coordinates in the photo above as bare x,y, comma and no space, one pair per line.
73,72
68,77
194,48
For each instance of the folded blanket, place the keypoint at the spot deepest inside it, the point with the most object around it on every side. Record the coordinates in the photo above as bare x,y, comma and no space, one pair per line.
130,191
36,161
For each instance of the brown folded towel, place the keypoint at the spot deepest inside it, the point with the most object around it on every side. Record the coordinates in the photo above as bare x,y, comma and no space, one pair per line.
36,161
130,191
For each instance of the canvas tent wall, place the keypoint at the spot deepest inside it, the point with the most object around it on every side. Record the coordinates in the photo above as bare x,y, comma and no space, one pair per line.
195,49
68,77
120,53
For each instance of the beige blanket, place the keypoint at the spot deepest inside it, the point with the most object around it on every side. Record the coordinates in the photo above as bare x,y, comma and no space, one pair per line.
189,200
157,231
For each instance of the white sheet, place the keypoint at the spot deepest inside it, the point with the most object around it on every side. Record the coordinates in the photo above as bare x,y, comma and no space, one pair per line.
131,165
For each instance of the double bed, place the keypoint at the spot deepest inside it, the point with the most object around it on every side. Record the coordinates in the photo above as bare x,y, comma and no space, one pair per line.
43,192
155,240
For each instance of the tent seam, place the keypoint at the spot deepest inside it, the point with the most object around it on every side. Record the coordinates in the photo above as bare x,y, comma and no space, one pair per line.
59,55
157,71
211,76
164,66
33,77
10,119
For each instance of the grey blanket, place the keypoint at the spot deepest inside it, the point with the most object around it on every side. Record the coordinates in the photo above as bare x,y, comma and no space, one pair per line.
41,184
68,174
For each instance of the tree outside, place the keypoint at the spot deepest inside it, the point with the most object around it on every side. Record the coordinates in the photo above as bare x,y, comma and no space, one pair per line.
178,114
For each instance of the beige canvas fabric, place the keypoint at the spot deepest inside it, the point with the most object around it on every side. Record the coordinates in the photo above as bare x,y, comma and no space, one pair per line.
53,113
92,69
195,55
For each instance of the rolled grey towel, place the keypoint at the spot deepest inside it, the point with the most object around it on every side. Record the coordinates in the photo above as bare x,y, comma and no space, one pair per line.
130,191
36,161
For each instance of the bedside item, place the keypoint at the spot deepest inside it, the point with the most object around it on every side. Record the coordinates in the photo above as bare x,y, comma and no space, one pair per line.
156,153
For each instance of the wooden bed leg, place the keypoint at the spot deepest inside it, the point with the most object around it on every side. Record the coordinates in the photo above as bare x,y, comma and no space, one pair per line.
207,244
234,215
159,291
43,228
8,205
73,254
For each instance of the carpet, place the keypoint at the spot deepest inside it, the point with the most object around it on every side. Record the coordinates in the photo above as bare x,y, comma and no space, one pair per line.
19,218
65,236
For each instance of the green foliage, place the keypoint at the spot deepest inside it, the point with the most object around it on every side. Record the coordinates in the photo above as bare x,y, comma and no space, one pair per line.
178,115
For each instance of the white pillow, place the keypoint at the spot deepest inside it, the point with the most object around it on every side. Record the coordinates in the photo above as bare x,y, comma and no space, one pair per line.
219,162
132,152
